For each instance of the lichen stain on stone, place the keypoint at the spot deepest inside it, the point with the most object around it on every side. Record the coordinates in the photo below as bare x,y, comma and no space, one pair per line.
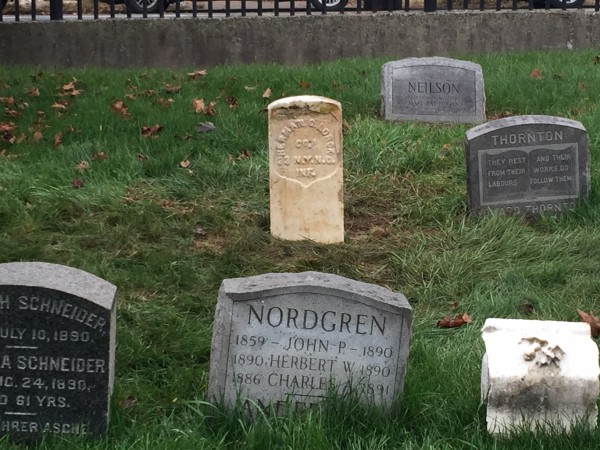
296,109
541,353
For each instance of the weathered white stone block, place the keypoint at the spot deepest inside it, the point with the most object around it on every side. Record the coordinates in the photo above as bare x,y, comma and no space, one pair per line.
539,375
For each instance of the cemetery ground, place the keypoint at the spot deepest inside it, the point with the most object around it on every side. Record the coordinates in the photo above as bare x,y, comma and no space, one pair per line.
157,181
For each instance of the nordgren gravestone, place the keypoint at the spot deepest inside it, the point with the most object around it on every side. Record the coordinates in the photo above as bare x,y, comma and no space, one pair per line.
287,340
57,337
527,165
432,90
306,169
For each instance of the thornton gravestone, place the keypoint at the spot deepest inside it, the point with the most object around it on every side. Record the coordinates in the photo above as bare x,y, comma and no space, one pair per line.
306,169
57,338
432,90
527,165
539,375
287,340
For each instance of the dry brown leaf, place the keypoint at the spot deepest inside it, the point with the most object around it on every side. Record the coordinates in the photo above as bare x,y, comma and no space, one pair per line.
119,107
33,92
458,321
100,155
592,320
210,109
59,106
267,93
12,113
57,139
198,104
7,100
536,74
130,96
151,131
7,127
196,74
37,136
127,402
78,183
304,84
185,164
232,102
82,166
165,103
172,89
148,92
69,89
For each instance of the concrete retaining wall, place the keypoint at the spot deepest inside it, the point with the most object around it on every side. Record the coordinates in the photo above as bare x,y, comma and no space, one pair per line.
185,43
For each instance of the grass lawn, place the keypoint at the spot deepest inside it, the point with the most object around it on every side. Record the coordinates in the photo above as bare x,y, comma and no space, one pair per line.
105,171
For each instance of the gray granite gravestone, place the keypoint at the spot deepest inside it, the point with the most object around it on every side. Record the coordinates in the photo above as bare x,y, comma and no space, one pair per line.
57,338
432,90
527,165
287,340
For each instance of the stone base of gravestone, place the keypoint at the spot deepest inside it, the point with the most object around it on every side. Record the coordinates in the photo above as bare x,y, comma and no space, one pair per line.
432,90
290,340
57,331
539,375
527,165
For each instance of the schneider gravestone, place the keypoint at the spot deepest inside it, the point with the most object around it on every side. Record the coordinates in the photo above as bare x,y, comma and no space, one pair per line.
432,90
527,165
57,338
287,340
306,169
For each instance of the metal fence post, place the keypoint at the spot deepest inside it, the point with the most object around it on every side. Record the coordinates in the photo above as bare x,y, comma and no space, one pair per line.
430,6
56,10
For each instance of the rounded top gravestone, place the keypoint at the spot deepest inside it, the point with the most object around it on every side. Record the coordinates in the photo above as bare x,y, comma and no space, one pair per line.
288,340
57,350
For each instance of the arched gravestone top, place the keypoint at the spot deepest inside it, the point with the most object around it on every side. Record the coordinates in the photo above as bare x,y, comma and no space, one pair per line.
57,350
527,165
288,339
62,278
432,89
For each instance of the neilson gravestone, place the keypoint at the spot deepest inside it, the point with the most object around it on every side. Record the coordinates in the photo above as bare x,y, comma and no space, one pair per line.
287,340
527,165
432,90
57,337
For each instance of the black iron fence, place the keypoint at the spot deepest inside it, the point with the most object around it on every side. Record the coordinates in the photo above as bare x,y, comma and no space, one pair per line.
31,10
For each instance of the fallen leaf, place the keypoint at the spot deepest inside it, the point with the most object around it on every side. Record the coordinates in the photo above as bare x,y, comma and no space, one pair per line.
232,102
100,155
148,92
250,88
37,136
78,183
57,139
458,321
59,106
198,104
172,89
33,92
205,127
130,96
244,154
150,131
6,155
7,100
165,103
304,84
526,308
196,74
210,109
12,113
69,89
267,93
7,127
127,402
119,107
82,166
536,74
592,320
185,164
